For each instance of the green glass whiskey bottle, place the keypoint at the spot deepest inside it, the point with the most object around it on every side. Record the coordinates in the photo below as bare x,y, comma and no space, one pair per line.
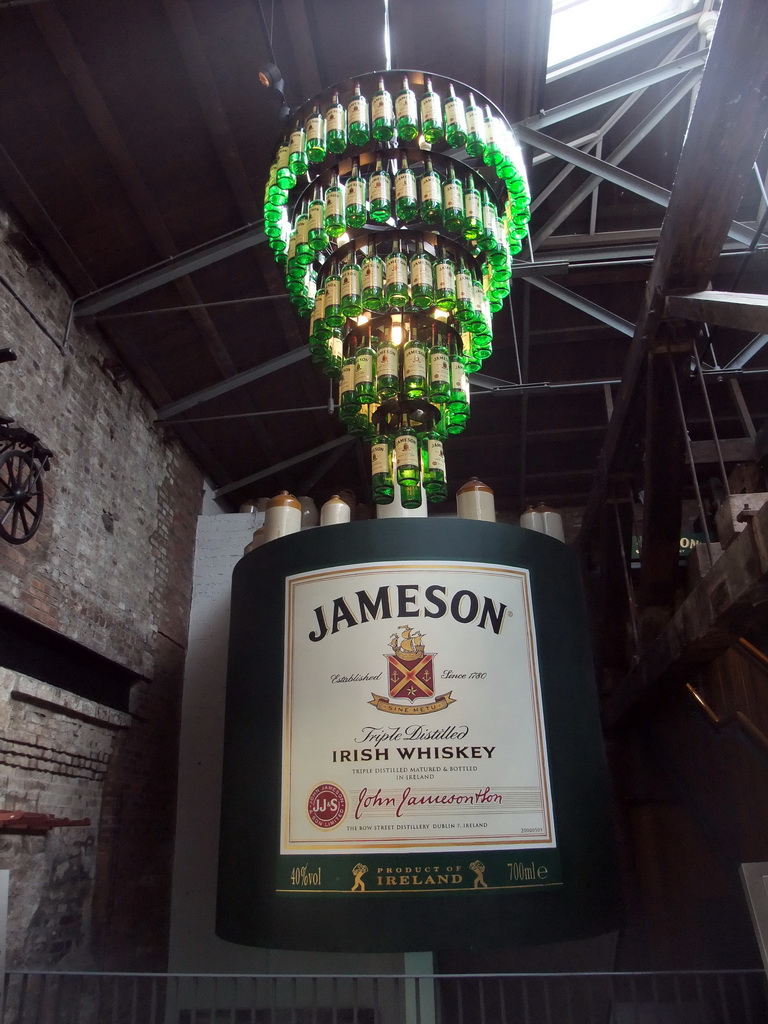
406,113
382,483
453,202
358,119
431,115
406,196
373,282
455,120
355,205
336,126
351,288
315,133
380,193
414,368
396,278
382,114
431,195
422,279
334,208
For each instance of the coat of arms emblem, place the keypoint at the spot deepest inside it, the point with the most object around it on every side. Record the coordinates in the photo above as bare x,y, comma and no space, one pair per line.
411,677
410,669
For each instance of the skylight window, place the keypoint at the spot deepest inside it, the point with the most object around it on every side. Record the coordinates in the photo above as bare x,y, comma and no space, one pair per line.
579,26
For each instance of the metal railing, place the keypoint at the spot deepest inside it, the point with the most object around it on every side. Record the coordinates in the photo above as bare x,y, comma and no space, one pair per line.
692,997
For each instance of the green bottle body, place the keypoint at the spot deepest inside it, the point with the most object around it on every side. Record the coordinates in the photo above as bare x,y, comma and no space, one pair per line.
406,114
382,114
358,120
422,281
431,196
406,195
315,135
396,277
373,283
380,195
431,116
382,482
336,127
414,369
351,290
334,210
387,368
355,205
433,461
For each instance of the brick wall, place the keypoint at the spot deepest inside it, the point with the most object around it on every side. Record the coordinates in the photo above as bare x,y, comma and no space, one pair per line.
110,568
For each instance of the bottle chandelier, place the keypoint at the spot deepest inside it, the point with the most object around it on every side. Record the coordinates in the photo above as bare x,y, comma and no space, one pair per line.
396,220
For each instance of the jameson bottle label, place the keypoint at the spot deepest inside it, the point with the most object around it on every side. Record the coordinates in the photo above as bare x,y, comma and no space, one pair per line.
316,216
379,187
463,286
414,363
282,157
397,269
336,345
451,111
335,119
405,105
407,451
355,192
332,291
348,371
430,188
373,274
297,141
475,122
314,127
421,272
357,111
445,276
350,281
317,314
379,458
458,376
435,456
430,107
386,361
381,106
472,205
364,368
489,218
302,230
439,368
405,185
334,203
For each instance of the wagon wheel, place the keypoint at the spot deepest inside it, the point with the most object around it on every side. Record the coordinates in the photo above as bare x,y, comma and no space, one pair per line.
21,496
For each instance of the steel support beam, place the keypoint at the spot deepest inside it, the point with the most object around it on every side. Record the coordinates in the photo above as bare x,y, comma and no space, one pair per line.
285,464
566,68
605,316
239,380
169,270
636,136
725,134
745,311
632,182
616,91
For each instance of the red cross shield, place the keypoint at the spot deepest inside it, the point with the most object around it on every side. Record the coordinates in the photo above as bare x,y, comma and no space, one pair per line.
409,680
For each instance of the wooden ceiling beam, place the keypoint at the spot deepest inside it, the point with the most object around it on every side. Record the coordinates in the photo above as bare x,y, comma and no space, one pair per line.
723,139
710,619
29,207
743,310
192,50
193,53
81,82
300,34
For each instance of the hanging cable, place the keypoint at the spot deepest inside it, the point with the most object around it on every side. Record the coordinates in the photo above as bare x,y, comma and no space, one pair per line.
387,39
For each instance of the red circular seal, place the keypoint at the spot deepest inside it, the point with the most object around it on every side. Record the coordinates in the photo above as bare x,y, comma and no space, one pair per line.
327,805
